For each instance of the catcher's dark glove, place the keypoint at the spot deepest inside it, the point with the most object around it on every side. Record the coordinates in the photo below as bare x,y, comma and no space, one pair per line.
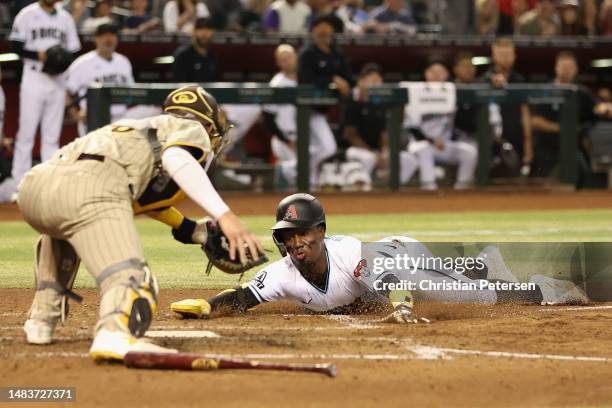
58,60
216,249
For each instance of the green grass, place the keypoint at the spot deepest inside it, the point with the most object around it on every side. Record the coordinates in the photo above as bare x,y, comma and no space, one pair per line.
182,266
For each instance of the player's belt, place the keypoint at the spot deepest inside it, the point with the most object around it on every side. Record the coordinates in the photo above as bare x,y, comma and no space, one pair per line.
87,156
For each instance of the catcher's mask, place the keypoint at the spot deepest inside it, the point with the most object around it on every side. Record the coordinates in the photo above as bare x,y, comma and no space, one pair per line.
296,211
193,102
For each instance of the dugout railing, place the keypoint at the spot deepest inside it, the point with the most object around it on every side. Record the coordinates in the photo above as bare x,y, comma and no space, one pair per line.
393,97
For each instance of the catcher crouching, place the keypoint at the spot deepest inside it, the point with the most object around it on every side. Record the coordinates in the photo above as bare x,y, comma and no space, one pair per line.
83,203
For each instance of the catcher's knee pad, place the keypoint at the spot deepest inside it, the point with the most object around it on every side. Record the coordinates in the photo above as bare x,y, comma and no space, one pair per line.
57,264
129,297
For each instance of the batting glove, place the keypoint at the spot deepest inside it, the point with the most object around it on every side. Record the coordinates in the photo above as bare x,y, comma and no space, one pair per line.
404,314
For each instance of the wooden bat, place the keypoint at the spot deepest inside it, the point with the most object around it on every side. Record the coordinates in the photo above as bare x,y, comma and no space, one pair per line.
196,362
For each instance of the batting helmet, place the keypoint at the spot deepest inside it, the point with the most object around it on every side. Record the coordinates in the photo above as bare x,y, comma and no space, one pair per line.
58,60
193,102
297,211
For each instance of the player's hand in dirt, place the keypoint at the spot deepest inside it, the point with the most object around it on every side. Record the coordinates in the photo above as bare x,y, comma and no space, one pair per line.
238,235
403,314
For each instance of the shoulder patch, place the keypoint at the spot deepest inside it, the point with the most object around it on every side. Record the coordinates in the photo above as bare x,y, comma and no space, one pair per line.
259,279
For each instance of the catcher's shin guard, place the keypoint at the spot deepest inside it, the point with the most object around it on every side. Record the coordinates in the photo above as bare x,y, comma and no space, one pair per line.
57,264
129,297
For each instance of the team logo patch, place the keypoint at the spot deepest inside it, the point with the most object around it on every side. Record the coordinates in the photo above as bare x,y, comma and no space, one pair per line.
184,97
291,213
362,264
259,279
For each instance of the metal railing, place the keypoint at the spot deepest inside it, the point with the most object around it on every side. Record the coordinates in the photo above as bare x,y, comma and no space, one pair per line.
393,97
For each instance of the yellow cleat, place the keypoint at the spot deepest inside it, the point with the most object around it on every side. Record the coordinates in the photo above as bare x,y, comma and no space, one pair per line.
114,345
191,308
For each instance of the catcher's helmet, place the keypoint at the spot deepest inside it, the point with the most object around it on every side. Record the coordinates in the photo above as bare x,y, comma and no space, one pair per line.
297,211
193,102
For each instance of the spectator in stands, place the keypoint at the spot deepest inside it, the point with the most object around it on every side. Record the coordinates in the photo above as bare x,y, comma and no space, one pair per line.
364,127
323,65
571,24
590,16
510,11
546,121
324,8
286,16
433,143
180,15
195,62
101,14
457,17
605,19
354,16
225,14
515,125
487,16
542,21
466,117
394,16
79,11
251,15
140,21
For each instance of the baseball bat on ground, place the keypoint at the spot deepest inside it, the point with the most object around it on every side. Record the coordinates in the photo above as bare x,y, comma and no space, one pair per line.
196,362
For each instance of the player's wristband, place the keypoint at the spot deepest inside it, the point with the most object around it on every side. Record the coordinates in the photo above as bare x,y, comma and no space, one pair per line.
184,232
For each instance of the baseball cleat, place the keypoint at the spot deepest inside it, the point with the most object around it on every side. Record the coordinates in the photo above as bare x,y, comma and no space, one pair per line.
114,345
191,308
558,291
38,331
496,267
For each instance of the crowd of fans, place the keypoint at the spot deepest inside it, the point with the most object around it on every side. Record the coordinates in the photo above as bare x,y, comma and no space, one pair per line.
502,17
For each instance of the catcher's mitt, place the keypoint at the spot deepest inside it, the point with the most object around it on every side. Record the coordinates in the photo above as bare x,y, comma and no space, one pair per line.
216,249
58,60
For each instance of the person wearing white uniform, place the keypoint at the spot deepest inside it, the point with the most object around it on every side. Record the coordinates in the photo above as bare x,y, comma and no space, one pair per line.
36,28
102,65
281,121
437,145
325,274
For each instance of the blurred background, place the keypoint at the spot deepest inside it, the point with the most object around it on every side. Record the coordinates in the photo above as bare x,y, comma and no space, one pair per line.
366,42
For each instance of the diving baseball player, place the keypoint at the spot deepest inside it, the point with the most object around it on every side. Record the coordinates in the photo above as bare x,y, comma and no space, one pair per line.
83,202
102,65
323,273
36,30
281,120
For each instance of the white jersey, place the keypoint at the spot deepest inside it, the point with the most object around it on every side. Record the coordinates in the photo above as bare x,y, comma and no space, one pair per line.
282,281
91,67
285,114
39,30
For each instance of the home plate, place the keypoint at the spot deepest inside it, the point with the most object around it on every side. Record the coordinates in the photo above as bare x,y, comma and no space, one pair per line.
182,334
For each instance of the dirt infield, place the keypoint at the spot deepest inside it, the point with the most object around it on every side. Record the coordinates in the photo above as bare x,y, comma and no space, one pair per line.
405,201
510,355
469,356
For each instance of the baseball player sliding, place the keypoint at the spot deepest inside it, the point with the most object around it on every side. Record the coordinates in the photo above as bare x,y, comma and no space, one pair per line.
37,29
323,273
83,202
